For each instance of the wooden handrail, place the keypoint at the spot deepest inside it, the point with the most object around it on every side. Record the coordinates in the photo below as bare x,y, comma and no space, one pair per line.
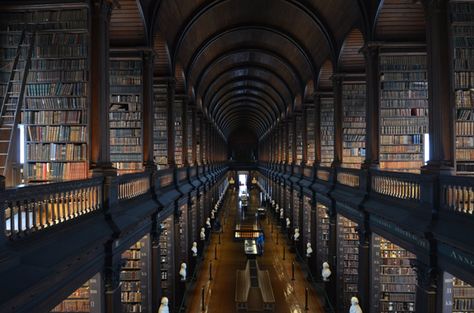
349,177
33,208
133,185
457,194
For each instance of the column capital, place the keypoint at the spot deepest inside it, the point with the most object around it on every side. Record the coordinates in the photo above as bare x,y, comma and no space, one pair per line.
426,275
104,8
148,57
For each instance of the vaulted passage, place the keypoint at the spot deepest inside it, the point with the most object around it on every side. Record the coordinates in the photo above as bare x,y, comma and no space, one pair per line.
137,134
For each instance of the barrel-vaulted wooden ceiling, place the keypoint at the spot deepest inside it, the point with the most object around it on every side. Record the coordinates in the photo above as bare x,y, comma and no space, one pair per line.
248,63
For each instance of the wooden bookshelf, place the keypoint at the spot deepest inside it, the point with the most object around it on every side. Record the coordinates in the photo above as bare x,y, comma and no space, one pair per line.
353,123
463,296
291,144
306,227
322,234
394,280
160,125
189,135
178,108
85,299
288,205
462,34
348,261
166,243
194,227
299,138
458,296
197,134
125,114
327,131
296,211
54,110
403,111
134,277
182,235
310,135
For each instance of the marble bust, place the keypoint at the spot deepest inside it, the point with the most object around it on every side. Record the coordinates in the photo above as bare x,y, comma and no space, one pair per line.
182,271
164,306
326,272
288,222
355,308
309,250
296,235
208,222
203,234
194,248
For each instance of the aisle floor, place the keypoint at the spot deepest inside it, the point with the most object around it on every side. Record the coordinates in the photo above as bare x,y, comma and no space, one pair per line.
220,291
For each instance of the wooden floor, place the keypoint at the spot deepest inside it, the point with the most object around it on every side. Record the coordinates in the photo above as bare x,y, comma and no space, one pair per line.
219,292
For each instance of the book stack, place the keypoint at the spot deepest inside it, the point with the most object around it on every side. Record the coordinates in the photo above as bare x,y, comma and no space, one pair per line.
348,260
353,124
310,135
327,131
462,34
54,110
125,115
394,279
403,111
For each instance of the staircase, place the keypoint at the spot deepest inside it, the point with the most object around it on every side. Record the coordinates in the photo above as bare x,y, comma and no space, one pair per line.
12,102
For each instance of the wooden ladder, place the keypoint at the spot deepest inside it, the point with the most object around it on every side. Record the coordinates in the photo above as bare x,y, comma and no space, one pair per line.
13,99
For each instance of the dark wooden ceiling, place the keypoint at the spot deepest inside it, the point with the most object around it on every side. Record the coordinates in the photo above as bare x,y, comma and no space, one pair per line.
247,63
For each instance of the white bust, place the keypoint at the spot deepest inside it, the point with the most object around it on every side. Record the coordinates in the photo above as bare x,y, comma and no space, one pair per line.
273,202
296,236
213,214
355,308
309,250
164,306
277,208
182,271
203,234
288,222
326,272
281,213
194,248
208,222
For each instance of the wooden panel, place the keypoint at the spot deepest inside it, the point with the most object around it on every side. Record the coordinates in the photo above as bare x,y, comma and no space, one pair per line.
325,76
162,60
350,58
401,20
126,25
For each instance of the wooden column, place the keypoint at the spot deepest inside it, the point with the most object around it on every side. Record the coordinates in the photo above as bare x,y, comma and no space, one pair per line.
337,87
155,266
317,128
112,270
148,116
440,100
101,11
331,286
371,54
171,119
426,287
364,280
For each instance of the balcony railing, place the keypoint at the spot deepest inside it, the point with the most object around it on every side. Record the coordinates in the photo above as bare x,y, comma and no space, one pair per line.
25,210
457,194
404,186
323,174
33,208
348,177
133,185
